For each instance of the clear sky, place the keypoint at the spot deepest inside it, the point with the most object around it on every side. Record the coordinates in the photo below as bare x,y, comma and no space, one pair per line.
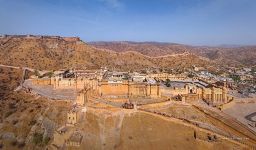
197,22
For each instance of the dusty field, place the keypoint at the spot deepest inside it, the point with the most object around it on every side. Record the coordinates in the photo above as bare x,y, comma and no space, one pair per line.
28,121
245,108
140,130
210,120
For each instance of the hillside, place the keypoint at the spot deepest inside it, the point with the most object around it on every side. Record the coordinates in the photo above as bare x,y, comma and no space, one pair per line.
23,114
226,55
59,53
146,48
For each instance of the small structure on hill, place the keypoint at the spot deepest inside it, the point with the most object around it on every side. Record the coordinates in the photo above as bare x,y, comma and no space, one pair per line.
72,117
75,139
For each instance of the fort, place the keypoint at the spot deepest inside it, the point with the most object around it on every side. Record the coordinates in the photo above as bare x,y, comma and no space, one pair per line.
28,36
98,107
124,85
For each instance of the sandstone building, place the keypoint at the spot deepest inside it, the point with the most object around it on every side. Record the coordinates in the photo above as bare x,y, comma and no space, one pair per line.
126,85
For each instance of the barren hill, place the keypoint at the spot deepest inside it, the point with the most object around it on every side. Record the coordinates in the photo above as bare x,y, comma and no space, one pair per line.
245,55
58,53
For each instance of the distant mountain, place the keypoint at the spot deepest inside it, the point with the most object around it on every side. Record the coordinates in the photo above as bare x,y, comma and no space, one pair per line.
152,49
227,55
54,52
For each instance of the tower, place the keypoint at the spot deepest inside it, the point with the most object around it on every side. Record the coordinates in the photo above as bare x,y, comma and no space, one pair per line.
213,95
203,93
224,93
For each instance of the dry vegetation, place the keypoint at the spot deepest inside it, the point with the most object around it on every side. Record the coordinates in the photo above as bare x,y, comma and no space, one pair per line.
55,54
19,112
244,55
9,80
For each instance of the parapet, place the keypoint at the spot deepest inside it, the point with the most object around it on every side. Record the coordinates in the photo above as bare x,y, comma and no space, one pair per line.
28,36
71,39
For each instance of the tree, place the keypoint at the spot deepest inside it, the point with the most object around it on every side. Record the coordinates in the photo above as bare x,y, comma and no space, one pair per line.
190,75
37,138
236,78
37,73
168,82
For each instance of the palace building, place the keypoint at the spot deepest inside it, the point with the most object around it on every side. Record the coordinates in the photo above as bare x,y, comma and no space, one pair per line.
126,85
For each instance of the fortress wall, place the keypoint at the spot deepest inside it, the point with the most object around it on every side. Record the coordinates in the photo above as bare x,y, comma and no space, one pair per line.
174,91
72,83
41,81
138,90
113,89
155,91
71,39
133,90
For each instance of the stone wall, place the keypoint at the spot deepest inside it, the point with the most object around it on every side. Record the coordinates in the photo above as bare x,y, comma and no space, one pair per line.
129,89
213,95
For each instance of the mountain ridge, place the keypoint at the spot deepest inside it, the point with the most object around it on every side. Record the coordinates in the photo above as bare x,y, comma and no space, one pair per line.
57,53
233,56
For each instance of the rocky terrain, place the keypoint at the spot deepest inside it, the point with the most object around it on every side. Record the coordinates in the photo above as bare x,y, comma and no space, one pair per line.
27,120
243,55
22,114
57,53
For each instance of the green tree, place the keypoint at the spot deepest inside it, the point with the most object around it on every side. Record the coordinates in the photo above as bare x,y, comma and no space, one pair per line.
168,82
37,138
236,78
37,73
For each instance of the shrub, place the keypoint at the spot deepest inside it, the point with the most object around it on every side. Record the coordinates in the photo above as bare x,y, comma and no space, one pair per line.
21,144
168,82
46,140
14,143
37,138
15,122
12,106
8,114
31,110
31,123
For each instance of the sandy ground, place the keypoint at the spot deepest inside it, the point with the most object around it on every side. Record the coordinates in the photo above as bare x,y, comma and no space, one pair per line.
48,91
240,110
139,130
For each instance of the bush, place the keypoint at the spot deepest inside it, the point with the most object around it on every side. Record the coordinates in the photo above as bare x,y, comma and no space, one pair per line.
15,122
21,145
1,145
12,106
31,123
37,138
14,143
168,82
37,73
46,140
8,114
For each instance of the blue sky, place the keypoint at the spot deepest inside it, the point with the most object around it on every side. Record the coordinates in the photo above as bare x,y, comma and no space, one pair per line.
196,22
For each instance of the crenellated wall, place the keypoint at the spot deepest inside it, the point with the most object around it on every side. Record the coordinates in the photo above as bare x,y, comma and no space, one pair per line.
129,89
125,88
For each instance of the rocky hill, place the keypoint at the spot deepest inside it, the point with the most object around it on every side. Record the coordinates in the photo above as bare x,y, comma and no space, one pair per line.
48,52
245,55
